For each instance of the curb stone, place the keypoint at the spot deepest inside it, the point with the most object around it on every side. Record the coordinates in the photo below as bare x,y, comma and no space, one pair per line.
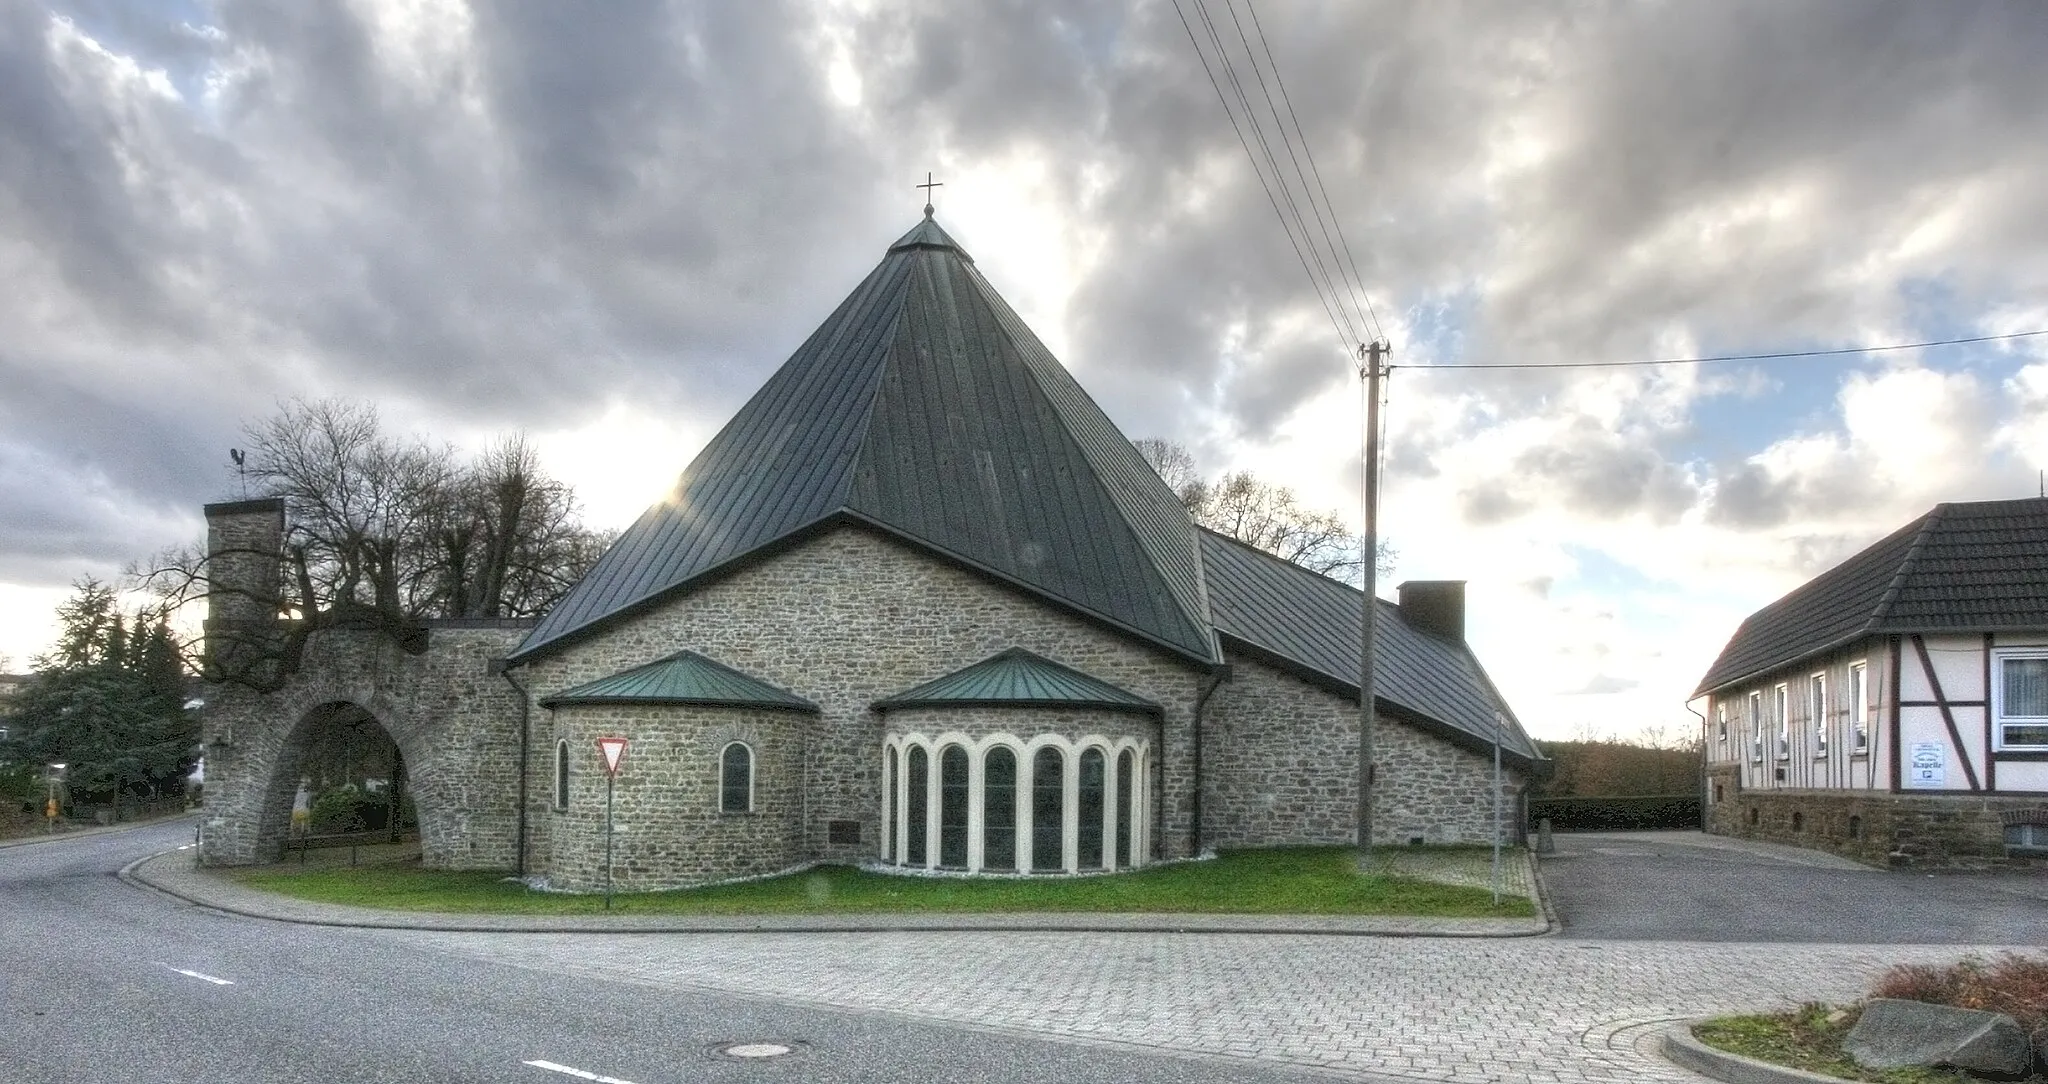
1683,1049
267,906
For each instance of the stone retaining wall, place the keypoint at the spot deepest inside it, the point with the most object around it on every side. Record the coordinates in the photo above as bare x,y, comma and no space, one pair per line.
1878,828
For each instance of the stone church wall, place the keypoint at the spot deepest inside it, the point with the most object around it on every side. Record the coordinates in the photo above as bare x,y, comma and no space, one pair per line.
455,724
1282,760
851,617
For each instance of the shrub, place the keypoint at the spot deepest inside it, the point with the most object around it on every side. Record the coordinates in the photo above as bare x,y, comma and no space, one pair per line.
2013,984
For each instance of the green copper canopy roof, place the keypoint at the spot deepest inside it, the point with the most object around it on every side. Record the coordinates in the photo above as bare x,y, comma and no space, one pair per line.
1018,677
925,409
683,678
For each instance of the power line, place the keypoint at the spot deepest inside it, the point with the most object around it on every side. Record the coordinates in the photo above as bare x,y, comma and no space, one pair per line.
1884,348
1343,341
1288,100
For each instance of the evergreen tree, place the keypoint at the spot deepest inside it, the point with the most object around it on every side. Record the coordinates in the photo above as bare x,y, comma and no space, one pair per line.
107,702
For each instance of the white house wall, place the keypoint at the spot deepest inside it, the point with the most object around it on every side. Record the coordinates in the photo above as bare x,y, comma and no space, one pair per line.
1805,764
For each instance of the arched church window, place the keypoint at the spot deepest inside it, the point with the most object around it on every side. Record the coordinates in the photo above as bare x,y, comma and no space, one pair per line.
736,779
889,807
562,774
917,768
1126,800
1048,811
999,810
953,808
1089,838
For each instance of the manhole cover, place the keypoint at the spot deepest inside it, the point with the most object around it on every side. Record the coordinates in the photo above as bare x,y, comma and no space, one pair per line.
754,1050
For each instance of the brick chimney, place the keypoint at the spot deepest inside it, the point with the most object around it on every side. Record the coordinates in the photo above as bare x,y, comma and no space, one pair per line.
1435,606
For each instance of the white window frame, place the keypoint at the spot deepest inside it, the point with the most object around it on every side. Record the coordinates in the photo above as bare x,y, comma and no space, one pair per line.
753,761
1756,727
561,774
1782,701
1817,704
1859,709
1999,720
1721,721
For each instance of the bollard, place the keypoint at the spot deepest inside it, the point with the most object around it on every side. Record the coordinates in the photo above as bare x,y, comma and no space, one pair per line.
1544,844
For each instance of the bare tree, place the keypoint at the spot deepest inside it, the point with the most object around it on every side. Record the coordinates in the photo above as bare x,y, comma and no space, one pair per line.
384,531
1261,514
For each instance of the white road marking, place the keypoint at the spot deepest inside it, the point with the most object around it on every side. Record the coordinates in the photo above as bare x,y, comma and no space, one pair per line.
580,1074
196,975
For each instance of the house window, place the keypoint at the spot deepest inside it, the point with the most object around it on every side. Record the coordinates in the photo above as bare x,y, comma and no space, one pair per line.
1817,712
2026,839
999,810
2020,699
562,774
953,808
1781,700
1125,800
1048,811
917,770
1093,785
1721,723
1859,709
1756,728
736,779
889,835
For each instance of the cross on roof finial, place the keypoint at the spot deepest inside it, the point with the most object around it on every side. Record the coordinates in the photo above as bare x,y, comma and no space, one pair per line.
928,185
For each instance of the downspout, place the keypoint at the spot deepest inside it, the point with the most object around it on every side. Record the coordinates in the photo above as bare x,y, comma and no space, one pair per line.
525,753
1216,678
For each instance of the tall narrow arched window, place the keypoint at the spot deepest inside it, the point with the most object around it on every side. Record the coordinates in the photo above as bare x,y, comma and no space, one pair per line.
1088,840
736,779
562,774
953,808
999,810
1126,800
1048,811
889,806
917,768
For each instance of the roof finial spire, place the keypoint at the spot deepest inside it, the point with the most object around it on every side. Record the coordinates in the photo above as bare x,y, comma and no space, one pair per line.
928,185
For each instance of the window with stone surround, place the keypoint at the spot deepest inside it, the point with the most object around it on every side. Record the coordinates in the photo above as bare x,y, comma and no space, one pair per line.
736,779
999,809
953,808
561,774
987,807
2019,698
1048,810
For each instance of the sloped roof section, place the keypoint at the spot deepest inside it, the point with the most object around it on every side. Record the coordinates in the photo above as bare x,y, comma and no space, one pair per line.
1020,678
1978,566
924,408
682,678
1310,623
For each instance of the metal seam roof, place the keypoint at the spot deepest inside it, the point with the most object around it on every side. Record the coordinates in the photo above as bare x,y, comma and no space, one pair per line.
685,677
1020,678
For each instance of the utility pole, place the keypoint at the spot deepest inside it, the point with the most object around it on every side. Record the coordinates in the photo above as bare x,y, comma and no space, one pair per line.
1370,375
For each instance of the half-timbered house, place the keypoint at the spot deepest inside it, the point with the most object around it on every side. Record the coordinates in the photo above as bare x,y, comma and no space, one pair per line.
1895,708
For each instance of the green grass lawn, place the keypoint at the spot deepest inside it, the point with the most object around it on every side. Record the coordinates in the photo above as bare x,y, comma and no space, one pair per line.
1305,880
1809,1038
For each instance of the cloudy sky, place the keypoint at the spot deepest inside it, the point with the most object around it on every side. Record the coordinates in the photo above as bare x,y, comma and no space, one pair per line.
607,225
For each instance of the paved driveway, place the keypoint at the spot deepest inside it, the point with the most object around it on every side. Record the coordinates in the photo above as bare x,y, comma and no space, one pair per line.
1686,886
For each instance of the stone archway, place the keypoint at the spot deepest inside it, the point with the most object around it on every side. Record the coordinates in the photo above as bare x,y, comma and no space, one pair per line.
354,776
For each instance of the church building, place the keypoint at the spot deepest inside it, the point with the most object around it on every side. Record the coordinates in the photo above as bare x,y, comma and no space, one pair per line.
919,605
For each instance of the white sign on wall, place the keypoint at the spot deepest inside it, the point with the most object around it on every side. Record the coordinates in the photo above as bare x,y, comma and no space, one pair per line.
1927,765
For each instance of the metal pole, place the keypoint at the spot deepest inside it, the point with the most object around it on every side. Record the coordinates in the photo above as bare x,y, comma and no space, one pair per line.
1368,560
609,779
1500,724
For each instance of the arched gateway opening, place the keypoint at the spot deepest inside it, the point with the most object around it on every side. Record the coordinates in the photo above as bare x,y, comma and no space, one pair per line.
340,780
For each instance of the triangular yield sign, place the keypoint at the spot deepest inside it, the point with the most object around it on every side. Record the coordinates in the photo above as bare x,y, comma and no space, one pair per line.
614,749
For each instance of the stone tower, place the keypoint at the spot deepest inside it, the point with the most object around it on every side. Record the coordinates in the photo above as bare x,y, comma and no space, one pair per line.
244,561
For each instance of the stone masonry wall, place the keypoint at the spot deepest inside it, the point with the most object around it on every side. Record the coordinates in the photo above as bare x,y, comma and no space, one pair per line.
669,830
1282,760
1877,828
852,617
455,725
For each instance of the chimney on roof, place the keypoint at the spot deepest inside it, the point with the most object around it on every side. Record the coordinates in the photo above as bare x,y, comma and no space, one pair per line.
1435,606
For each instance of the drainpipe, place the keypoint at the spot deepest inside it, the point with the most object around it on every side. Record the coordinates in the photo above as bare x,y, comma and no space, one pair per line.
1216,678
525,746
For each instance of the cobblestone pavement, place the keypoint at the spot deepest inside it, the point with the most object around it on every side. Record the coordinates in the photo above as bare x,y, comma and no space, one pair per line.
1460,1010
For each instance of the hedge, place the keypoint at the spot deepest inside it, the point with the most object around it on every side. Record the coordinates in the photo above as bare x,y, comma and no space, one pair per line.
1634,814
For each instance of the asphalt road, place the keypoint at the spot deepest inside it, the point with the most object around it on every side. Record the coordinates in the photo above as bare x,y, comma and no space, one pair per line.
106,981
1682,887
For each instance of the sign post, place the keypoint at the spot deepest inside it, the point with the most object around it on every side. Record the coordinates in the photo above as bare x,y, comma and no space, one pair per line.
614,750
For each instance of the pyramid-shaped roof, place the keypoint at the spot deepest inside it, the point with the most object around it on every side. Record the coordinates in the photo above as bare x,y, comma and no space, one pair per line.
922,407
1020,678
1978,566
